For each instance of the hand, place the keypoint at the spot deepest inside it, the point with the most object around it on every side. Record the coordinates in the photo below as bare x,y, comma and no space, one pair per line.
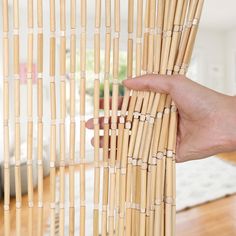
207,119
89,123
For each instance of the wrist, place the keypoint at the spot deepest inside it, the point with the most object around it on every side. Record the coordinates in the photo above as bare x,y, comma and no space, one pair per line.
230,120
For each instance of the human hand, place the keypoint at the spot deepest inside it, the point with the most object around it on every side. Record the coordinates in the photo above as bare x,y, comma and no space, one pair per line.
207,120
90,125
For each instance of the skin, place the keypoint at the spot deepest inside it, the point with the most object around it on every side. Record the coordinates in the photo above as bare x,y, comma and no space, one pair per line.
207,119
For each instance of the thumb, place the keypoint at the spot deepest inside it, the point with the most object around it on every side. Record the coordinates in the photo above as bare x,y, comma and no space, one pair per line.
154,83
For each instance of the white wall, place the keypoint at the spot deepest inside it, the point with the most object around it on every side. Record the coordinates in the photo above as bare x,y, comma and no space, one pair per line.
230,48
209,53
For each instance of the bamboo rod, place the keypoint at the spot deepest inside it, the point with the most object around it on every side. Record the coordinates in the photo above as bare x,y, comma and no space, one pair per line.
137,126
160,206
106,117
40,114
148,125
96,116
177,31
115,90
165,51
170,174
157,114
191,11
123,134
168,198
180,9
53,139
192,37
159,32
129,119
83,28
62,114
30,115
17,117
5,56
72,117
123,184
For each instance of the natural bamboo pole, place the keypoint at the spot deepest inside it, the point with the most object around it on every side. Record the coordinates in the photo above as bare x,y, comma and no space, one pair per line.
17,118
5,55
157,121
191,11
129,119
83,28
146,135
40,114
168,213
53,117
62,113
96,117
115,90
83,25
72,117
137,126
123,134
170,170
180,10
158,206
106,117
30,115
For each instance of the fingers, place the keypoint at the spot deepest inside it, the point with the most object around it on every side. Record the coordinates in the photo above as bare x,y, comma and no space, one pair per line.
90,125
101,103
101,141
155,83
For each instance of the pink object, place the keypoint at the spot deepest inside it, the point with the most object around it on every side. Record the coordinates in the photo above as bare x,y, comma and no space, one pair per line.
23,73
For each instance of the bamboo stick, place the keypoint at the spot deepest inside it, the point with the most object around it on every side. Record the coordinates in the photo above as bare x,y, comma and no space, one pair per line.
123,185
30,115
83,25
5,56
160,207
62,113
106,117
167,44
170,175
17,118
137,126
72,116
40,114
192,37
157,117
148,123
123,134
184,39
180,10
169,188
53,139
96,116
129,119
115,90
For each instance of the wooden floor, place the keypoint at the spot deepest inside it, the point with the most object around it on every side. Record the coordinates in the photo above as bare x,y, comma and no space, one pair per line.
217,218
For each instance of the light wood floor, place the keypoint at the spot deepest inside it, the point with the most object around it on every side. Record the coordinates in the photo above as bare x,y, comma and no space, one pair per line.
217,218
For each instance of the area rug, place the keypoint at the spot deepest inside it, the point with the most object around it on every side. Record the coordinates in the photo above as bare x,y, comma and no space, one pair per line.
198,182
